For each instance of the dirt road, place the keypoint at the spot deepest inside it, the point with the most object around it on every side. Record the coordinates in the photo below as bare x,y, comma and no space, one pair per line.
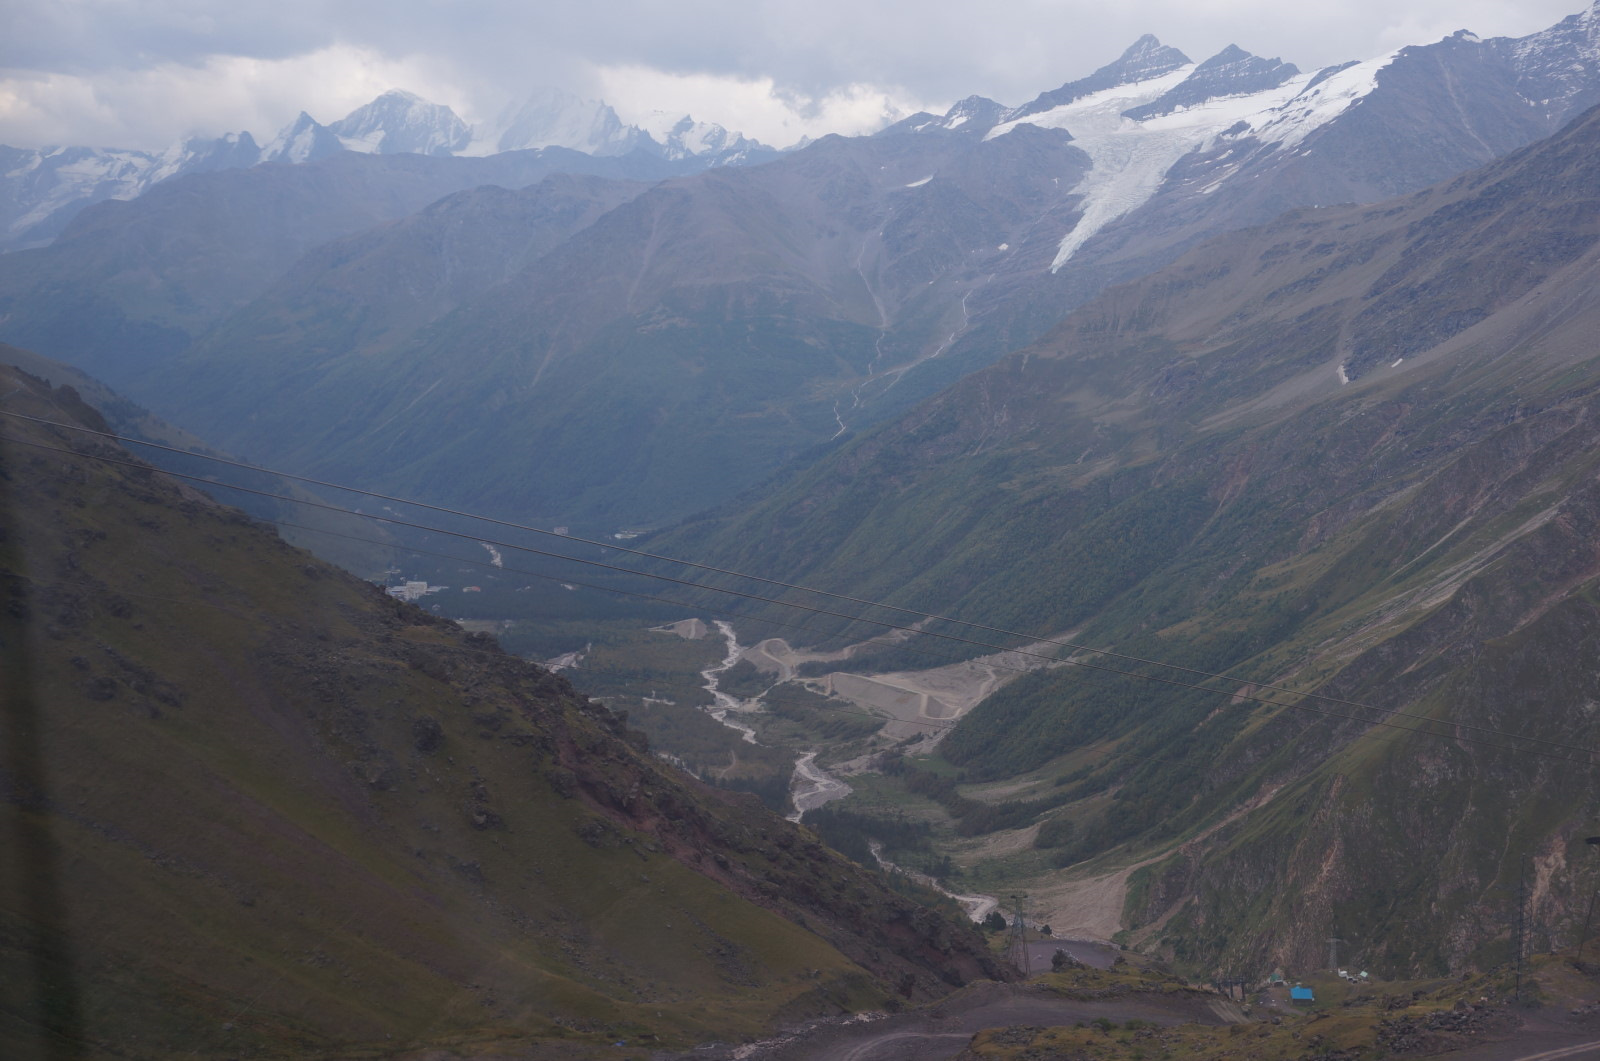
941,1031
1537,1041
1092,953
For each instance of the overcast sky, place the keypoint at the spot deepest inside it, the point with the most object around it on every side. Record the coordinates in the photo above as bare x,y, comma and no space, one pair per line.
142,73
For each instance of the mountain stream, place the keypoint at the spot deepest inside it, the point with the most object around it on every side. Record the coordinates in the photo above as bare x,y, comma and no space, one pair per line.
977,907
722,703
810,786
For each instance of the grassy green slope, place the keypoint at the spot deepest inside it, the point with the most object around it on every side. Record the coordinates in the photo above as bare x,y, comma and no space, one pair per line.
259,808
1182,472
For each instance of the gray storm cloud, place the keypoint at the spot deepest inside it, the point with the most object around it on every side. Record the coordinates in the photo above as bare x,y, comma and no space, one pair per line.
74,60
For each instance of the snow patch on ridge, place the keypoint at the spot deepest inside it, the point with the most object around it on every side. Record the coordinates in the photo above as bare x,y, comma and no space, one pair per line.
1130,159
1289,123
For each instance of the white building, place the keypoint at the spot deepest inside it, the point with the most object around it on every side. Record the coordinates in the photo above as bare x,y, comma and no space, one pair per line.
409,591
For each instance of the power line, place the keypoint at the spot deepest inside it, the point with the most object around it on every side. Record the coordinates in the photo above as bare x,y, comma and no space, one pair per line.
235,609
930,724
767,694
806,608
923,616
743,617
565,580
569,581
1172,682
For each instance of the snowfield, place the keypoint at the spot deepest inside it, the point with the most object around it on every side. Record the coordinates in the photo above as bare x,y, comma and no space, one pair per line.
1132,158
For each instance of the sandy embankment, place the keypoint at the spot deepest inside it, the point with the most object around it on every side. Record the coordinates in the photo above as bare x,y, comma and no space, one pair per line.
917,702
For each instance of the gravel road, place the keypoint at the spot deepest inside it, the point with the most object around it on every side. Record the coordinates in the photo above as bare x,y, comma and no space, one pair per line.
941,1031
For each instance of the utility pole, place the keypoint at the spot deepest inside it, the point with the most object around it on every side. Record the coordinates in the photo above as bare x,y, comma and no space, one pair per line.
1333,954
1522,917
1593,841
1583,939
1019,933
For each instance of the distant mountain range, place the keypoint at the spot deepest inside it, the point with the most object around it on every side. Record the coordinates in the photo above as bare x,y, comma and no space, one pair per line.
685,342
42,189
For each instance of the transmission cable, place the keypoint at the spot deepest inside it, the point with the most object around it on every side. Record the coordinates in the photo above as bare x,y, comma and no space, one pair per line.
925,616
143,466
746,617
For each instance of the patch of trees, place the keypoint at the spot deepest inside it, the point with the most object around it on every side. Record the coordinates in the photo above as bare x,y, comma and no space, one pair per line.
821,716
1167,786
772,789
973,817
1056,832
917,652
850,832
714,752
744,680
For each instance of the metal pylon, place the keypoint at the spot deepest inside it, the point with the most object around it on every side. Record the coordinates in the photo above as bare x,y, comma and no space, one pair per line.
1019,933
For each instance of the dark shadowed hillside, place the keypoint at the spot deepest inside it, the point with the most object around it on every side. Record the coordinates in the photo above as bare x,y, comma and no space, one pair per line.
255,807
128,285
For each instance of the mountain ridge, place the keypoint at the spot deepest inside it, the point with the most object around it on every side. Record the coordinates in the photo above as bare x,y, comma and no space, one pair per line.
1209,467
42,190
877,270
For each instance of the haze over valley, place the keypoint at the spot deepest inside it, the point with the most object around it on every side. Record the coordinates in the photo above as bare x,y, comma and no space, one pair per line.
1026,579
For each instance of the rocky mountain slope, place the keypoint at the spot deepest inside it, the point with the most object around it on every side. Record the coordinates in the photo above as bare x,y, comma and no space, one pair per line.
351,542
723,321
254,806
129,285
369,293
43,189
1185,151
1349,454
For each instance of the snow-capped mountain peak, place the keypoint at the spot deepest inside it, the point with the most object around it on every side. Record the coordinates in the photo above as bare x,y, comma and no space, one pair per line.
1136,132
972,116
1231,72
42,189
552,118
402,122
1562,61
303,140
199,154
977,112
686,138
1145,60
1135,118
